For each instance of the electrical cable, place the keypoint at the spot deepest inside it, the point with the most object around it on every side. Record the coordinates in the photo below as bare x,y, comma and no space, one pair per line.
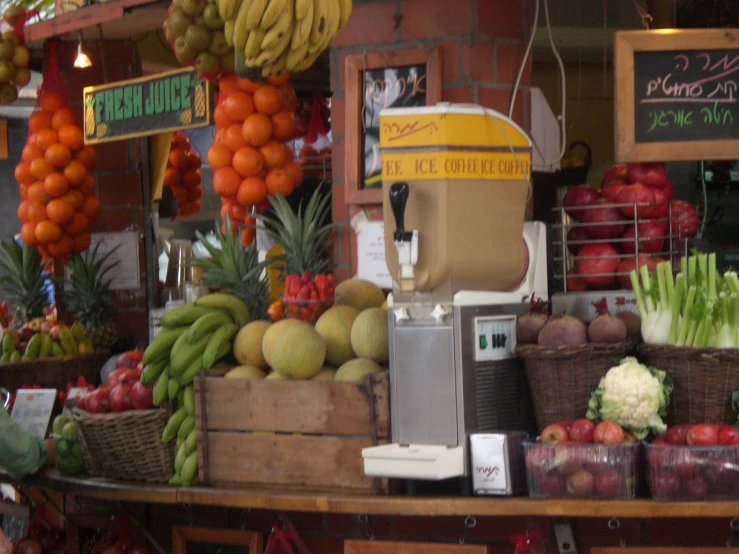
525,57
562,116
704,200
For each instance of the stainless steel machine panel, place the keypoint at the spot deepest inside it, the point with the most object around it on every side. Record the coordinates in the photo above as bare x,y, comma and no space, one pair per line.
422,366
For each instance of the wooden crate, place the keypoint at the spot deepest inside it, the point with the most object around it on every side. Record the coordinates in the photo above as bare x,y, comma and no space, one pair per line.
53,373
305,435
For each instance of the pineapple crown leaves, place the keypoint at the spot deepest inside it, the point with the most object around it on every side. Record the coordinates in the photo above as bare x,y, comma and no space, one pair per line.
301,235
23,277
89,293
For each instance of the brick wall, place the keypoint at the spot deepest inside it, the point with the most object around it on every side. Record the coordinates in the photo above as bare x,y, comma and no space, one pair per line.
482,44
119,166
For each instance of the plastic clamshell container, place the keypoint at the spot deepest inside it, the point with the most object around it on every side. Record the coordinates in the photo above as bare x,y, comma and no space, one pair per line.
596,471
677,472
306,310
69,456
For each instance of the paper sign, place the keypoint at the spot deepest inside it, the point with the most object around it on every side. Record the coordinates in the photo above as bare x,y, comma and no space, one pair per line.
126,275
32,410
76,392
371,264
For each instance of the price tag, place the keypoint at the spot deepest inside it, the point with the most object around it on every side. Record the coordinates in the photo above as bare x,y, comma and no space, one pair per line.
76,392
32,410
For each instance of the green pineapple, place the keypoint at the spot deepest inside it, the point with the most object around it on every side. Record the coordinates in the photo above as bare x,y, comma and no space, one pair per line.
235,269
23,281
88,298
302,235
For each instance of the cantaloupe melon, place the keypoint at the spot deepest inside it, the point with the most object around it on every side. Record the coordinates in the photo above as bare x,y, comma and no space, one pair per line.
354,370
359,294
335,326
248,344
271,334
327,373
298,352
246,372
369,335
275,375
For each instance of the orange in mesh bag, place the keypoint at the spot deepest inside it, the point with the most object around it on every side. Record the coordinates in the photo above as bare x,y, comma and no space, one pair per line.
14,56
249,155
58,202
183,176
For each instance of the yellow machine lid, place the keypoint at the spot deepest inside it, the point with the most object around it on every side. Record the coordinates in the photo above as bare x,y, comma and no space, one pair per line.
451,126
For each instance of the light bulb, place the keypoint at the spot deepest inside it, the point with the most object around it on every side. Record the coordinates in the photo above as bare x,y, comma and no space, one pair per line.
82,60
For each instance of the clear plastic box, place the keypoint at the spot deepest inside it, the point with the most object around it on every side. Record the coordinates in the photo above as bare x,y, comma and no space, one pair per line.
677,472
598,471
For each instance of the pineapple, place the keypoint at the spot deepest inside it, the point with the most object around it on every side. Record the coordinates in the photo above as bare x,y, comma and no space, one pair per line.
23,281
88,298
235,269
90,116
200,104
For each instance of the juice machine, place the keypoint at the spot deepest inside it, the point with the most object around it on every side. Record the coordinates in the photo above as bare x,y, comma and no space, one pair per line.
456,182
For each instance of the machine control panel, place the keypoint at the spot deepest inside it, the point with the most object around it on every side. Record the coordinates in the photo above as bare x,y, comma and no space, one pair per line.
495,337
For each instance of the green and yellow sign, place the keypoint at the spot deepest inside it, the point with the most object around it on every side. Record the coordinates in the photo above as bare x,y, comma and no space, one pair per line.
146,106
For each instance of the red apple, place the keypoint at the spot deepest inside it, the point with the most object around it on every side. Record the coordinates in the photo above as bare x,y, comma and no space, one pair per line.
677,434
685,219
577,197
582,430
568,460
539,460
554,433
614,173
683,462
703,434
552,484
638,201
607,432
580,484
664,484
728,434
610,191
696,487
629,438
721,473
657,455
652,236
609,483
649,174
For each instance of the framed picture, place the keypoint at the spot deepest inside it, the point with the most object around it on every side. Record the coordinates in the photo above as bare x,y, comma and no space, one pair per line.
207,540
374,81
392,547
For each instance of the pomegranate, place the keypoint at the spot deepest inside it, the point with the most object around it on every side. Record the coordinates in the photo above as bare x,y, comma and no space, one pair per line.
628,264
577,197
685,219
120,398
652,175
575,283
614,173
637,199
651,237
611,190
574,236
596,264
661,206
605,221
141,396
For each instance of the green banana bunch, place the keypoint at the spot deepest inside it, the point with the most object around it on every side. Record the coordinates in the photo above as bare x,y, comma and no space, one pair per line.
221,336
162,344
207,324
222,301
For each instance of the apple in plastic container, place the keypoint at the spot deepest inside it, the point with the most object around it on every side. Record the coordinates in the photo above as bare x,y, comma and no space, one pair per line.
665,484
539,460
697,487
703,434
582,431
580,484
607,432
678,434
554,433
728,434
552,484
609,483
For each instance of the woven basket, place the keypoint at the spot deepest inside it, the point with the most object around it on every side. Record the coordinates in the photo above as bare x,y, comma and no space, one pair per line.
125,446
704,380
53,373
562,378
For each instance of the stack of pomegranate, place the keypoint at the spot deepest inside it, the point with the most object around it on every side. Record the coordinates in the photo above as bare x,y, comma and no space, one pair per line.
634,200
249,157
182,175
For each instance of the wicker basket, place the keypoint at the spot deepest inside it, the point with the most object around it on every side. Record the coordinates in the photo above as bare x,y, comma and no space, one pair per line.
125,446
562,378
704,380
53,373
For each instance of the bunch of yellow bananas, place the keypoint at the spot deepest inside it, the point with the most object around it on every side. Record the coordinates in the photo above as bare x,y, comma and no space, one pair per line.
282,35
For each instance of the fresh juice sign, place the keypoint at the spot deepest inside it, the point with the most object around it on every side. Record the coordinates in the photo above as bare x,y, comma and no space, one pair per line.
147,106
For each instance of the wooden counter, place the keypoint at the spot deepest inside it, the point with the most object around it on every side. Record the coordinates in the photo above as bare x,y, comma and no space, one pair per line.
371,504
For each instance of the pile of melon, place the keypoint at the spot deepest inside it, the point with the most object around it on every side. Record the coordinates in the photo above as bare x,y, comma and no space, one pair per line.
348,342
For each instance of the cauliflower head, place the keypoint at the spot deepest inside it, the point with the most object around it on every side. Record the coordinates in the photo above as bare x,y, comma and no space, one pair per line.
634,396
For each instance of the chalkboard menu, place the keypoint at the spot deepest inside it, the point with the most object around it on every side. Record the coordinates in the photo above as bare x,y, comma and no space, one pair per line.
686,95
146,106
387,87
676,95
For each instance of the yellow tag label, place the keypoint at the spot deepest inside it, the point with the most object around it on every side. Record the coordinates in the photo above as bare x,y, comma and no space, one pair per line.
403,131
490,166
275,278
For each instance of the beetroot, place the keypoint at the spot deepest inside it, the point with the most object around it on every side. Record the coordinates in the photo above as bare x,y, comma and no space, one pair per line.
574,283
606,222
652,175
529,326
606,328
611,190
652,236
577,197
637,198
628,264
575,235
614,173
633,324
596,264
563,330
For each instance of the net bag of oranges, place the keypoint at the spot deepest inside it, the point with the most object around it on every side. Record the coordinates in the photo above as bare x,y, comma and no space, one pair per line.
182,175
14,56
249,156
57,190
